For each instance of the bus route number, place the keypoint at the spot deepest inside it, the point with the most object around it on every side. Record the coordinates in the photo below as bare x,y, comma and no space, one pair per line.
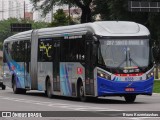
129,79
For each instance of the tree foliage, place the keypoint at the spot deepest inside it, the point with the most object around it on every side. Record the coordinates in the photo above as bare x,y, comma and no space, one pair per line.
60,19
5,29
47,5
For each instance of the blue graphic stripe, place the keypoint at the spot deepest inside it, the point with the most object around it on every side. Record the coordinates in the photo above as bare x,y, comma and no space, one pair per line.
109,87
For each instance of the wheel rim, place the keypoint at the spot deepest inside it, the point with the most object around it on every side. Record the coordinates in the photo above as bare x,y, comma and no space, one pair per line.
48,89
81,91
14,87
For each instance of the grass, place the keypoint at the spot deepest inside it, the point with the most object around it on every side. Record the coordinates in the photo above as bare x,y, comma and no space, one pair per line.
156,88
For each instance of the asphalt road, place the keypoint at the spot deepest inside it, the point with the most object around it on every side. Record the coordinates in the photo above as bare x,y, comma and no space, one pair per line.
37,101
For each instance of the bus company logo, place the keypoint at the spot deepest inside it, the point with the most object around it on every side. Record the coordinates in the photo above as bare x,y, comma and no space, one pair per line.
79,70
6,114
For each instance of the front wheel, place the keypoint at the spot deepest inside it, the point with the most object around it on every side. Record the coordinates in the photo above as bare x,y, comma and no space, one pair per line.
49,89
130,98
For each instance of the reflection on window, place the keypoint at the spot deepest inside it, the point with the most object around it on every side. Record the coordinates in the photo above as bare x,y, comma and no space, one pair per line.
73,49
19,51
45,50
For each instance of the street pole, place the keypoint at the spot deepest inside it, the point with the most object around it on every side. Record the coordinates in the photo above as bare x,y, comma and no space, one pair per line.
24,11
52,14
2,10
69,6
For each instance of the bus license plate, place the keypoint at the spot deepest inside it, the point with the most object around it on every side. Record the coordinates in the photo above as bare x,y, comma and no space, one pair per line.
129,89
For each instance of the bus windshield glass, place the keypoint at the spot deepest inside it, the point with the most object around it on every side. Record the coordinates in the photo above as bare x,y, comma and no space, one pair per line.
121,53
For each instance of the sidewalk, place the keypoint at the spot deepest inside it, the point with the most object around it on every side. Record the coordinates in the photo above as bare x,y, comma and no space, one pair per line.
157,79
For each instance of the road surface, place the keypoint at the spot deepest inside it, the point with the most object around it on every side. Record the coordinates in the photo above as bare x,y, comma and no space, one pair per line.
37,101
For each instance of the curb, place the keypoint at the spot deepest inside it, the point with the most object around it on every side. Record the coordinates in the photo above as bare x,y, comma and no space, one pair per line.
156,93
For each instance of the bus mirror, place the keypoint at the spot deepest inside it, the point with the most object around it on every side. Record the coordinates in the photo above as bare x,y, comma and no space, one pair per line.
95,38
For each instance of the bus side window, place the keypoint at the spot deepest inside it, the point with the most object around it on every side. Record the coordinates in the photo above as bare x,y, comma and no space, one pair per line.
73,50
5,50
45,50
78,49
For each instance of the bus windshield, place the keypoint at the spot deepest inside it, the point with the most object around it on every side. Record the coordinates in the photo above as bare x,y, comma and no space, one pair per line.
121,53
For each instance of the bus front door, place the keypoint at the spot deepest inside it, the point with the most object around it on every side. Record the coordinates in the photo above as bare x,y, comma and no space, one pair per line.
56,64
89,76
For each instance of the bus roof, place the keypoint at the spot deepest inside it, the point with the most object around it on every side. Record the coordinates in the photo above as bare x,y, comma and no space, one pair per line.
101,28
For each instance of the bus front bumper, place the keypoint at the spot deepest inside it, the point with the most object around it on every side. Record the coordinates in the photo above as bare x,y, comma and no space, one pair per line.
117,88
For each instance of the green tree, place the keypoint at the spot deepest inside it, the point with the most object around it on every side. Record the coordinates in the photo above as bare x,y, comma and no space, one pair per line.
60,19
47,6
5,29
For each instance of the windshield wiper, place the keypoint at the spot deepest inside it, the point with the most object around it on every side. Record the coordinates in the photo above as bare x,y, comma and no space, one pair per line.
130,59
125,60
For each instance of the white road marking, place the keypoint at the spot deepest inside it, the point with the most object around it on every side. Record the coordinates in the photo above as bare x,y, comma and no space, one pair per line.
60,105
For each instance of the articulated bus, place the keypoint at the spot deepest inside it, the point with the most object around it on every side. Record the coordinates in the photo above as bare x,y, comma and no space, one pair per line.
91,60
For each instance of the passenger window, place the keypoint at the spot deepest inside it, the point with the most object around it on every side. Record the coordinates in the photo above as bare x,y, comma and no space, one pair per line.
73,50
45,50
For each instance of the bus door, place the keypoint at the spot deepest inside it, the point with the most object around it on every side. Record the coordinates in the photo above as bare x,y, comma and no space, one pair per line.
89,66
27,50
56,65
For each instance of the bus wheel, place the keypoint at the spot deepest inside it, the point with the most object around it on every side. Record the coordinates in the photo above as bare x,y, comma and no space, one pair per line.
49,90
130,98
23,91
45,92
83,98
3,87
15,89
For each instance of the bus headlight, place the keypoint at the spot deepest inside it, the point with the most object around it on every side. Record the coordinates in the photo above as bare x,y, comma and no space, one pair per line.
150,74
103,75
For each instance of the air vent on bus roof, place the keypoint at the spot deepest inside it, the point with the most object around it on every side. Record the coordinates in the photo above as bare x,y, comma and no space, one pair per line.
119,27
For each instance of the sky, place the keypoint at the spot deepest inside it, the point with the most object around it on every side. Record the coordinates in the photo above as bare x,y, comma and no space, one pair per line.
27,1
28,5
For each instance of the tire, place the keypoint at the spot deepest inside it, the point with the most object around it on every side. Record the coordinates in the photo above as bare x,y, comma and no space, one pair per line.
22,91
49,89
3,87
45,92
81,95
15,89
130,98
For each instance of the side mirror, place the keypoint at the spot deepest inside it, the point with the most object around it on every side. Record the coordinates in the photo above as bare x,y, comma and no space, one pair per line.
95,38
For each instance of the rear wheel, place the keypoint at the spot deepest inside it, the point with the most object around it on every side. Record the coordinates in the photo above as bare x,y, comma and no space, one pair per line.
49,89
15,89
3,87
23,91
82,97
130,98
